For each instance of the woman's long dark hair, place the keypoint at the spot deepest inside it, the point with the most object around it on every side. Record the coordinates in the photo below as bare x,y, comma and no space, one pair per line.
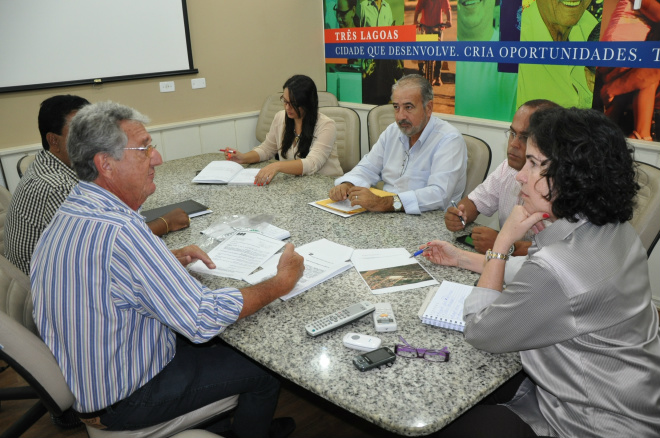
590,172
302,95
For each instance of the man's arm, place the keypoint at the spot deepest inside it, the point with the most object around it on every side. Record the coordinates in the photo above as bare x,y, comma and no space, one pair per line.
368,171
174,220
289,270
466,209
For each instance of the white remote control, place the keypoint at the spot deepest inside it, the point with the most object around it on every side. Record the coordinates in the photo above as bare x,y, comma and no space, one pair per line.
361,342
384,318
339,318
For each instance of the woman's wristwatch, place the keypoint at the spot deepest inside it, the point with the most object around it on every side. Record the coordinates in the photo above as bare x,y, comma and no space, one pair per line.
496,255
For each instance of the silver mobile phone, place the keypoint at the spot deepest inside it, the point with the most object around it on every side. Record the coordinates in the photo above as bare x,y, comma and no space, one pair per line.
373,359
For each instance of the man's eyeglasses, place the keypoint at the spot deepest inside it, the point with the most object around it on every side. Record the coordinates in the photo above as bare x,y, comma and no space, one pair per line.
510,134
149,150
409,352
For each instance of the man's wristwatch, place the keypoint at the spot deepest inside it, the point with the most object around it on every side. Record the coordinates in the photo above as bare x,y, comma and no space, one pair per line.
496,255
398,206
512,249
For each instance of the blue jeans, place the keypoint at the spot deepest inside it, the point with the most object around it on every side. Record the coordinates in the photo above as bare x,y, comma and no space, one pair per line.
197,376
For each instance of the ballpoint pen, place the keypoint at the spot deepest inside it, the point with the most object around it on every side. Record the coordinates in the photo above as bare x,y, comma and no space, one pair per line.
453,203
418,252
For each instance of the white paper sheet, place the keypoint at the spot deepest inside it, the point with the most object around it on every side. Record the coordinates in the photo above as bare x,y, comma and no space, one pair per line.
323,260
390,270
223,230
239,255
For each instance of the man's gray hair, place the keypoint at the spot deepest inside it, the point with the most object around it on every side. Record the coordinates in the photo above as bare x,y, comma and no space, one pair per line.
418,81
95,128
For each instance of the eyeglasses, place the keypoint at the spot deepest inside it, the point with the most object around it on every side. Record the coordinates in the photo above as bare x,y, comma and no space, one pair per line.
510,134
407,351
404,165
149,150
341,14
285,102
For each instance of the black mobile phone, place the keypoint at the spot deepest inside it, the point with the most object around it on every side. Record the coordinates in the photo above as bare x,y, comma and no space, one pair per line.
373,359
466,239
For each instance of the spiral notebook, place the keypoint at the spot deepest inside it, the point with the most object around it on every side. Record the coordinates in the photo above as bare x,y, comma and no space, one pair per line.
443,307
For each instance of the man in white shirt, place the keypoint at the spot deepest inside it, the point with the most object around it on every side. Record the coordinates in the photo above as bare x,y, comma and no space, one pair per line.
500,191
420,158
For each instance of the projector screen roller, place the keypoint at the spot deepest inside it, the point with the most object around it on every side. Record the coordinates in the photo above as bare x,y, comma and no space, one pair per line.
45,43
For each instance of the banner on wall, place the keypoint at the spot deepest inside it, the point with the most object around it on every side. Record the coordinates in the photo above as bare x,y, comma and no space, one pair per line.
486,58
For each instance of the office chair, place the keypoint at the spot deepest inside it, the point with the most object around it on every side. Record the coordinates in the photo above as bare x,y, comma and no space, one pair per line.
22,348
347,123
23,164
272,106
378,119
646,216
479,157
5,199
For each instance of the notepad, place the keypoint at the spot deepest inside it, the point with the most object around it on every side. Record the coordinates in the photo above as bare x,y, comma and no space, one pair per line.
443,307
192,209
226,172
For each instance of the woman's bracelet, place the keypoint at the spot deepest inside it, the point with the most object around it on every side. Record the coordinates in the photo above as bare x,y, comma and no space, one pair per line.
496,255
167,227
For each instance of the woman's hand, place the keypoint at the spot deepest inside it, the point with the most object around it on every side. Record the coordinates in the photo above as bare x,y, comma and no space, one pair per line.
234,155
266,174
518,223
441,253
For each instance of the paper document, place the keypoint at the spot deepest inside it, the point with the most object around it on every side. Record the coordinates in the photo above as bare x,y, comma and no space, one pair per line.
390,270
239,255
226,172
223,230
344,208
323,260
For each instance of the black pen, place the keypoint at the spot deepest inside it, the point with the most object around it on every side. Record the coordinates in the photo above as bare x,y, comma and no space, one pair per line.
453,203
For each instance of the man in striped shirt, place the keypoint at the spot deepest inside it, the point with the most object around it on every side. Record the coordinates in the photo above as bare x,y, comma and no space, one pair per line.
109,297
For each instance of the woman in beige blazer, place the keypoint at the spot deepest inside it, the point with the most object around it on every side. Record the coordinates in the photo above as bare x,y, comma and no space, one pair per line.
303,138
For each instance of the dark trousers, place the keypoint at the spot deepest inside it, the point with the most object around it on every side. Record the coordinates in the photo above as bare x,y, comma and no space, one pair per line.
197,376
488,420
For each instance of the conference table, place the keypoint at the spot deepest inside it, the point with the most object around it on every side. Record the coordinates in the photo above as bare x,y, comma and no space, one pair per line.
413,397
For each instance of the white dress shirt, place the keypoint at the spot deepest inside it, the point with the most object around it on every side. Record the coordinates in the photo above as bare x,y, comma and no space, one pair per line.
426,176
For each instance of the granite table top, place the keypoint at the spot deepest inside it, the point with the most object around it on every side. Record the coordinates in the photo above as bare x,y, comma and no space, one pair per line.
410,398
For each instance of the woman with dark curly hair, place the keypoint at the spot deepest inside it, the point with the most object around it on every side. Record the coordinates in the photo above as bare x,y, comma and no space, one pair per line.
578,308
303,137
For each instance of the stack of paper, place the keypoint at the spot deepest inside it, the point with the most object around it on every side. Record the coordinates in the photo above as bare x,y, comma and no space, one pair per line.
323,260
223,230
239,255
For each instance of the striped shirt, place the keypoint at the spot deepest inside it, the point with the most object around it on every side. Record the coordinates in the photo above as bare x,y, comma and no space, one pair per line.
45,185
109,295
